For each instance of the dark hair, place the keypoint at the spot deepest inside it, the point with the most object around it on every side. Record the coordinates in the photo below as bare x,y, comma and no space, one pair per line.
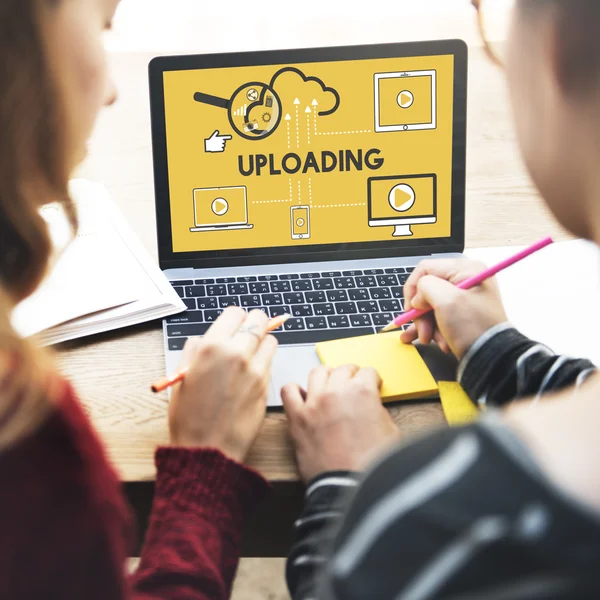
578,23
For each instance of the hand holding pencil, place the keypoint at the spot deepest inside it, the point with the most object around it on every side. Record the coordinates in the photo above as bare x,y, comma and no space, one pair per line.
459,317
223,398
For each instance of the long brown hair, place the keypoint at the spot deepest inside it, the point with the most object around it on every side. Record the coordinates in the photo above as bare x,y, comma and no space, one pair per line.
32,173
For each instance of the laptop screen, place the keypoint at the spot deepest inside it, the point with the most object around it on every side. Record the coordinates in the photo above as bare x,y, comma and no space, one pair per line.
310,154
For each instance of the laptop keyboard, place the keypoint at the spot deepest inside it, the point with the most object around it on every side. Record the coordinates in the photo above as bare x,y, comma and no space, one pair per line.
324,305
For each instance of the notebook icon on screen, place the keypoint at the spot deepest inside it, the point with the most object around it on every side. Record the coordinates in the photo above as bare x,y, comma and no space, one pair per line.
220,208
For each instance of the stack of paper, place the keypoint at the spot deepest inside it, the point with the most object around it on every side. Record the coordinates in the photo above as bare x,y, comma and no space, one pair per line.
104,279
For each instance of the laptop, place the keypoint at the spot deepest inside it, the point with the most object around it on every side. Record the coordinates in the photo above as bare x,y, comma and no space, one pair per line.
309,182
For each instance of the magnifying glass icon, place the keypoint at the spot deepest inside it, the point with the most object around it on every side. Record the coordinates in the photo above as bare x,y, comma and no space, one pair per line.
254,109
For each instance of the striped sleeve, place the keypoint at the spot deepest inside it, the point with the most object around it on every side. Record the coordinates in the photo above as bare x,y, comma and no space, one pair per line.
456,515
504,365
325,498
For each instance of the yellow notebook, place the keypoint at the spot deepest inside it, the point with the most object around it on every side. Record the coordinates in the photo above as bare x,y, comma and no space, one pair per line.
404,373
458,407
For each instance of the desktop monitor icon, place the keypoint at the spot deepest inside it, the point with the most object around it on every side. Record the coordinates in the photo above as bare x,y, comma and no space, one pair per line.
221,208
401,201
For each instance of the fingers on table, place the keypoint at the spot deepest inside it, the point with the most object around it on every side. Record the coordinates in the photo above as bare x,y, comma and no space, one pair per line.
292,398
251,334
370,376
342,375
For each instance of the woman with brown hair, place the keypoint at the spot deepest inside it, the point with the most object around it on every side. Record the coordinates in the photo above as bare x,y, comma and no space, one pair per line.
65,528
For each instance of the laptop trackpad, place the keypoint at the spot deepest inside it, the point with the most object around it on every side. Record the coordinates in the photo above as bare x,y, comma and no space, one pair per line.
291,364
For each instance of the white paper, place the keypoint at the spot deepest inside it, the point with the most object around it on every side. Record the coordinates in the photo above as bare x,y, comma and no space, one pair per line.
102,280
553,296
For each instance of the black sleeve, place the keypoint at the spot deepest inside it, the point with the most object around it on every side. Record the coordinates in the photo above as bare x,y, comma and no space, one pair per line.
505,365
452,516
325,499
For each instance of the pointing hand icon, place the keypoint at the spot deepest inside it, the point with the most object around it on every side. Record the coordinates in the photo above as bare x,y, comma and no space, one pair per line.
216,142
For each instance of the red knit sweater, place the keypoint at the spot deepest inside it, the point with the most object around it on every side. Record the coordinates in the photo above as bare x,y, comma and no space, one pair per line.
65,529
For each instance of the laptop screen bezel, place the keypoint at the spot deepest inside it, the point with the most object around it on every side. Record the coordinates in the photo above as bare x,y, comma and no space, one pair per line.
310,253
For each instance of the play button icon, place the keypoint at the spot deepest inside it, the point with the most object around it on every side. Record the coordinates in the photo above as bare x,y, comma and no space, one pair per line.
402,197
220,206
405,99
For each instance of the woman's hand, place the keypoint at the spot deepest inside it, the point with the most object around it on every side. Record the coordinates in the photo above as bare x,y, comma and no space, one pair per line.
222,400
460,316
339,423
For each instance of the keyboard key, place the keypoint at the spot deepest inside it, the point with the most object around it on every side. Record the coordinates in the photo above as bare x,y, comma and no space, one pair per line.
294,325
208,302
360,321
387,280
310,276
380,293
402,279
180,292
373,271
398,292
193,291
226,280
268,278
317,323
359,294
225,301
212,315
190,316
314,297
277,311
263,308
215,290
382,319
354,273
331,274
324,309
396,270
187,330
272,299
250,301
368,307
364,282
294,298
246,279
410,269
337,296
280,286
259,288
393,305
204,281
237,289
303,285
182,282
323,284
302,310
338,322
346,308
190,303
289,277
177,343
344,283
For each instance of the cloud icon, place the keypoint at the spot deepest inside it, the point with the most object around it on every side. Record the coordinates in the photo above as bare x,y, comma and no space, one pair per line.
291,79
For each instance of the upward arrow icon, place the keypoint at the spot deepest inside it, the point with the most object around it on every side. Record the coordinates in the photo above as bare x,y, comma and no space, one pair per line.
296,101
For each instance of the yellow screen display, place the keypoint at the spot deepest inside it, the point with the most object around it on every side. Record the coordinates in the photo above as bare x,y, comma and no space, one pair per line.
306,154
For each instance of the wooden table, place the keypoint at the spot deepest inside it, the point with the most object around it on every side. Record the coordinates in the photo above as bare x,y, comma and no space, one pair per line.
112,371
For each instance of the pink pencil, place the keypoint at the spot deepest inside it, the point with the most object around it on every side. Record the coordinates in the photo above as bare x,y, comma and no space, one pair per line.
413,314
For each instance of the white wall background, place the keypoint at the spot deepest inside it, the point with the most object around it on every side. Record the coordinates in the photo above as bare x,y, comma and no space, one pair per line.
171,26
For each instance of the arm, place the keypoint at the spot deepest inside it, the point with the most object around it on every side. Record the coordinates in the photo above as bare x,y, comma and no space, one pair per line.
192,545
465,513
503,365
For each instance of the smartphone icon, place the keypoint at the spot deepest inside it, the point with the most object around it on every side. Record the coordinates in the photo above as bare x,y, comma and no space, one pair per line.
300,222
